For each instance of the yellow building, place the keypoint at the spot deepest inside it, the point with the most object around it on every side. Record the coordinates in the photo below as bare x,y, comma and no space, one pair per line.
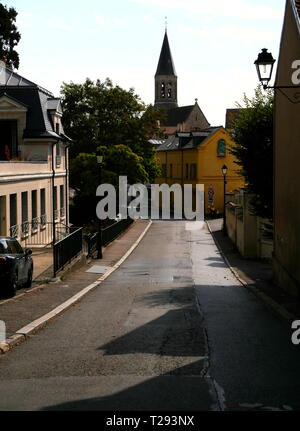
197,158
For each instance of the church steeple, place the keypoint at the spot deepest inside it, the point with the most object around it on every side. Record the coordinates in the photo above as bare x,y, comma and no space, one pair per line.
165,78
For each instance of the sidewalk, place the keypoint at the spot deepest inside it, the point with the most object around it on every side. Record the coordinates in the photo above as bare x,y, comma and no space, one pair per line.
42,261
25,308
255,273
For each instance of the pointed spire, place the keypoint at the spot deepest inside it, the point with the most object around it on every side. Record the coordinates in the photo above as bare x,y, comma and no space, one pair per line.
165,64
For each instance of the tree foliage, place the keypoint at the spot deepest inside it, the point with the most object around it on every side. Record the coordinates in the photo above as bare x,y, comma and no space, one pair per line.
9,36
119,160
100,115
252,132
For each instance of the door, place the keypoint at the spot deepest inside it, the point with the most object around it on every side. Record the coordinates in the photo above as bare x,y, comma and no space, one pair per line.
3,216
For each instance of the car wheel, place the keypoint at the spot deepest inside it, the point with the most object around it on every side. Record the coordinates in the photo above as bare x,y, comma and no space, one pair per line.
29,279
12,287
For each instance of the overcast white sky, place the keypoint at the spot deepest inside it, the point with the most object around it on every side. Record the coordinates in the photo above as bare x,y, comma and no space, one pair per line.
213,43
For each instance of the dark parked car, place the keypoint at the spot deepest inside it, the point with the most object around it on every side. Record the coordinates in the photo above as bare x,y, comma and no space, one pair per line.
16,266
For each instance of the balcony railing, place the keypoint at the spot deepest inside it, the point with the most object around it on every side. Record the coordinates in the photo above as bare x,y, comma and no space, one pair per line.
56,214
25,228
43,220
62,213
14,231
35,223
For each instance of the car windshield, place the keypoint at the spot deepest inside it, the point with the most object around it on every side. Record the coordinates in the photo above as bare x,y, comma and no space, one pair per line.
13,247
3,247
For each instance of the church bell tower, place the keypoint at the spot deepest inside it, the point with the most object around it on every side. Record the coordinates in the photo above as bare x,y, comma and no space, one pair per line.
165,79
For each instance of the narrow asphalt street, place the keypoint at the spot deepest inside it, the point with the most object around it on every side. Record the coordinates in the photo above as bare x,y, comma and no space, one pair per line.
171,329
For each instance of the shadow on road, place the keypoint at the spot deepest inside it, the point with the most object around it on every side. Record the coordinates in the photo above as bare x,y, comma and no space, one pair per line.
161,393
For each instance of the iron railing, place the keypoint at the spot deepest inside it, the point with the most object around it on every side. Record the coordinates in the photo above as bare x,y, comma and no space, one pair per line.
43,220
35,224
108,235
25,228
39,232
14,231
67,249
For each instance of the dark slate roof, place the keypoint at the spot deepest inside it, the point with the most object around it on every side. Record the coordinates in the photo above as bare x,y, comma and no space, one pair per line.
38,101
178,115
187,140
165,64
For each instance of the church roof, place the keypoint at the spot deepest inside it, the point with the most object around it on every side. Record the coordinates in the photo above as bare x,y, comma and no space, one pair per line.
165,64
178,115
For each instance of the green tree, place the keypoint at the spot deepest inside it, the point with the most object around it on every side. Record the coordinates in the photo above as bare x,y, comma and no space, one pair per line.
100,114
9,36
252,132
84,177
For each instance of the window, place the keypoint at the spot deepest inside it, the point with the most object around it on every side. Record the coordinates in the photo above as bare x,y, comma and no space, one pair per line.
221,148
34,220
163,90
171,170
13,215
186,171
55,203
13,209
62,201
33,204
9,144
57,128
193,171
43,201
24,207
170,90
24,203
43,206
164,170
58,156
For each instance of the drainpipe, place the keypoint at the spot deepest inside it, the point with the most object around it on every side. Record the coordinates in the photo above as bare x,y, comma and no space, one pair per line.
182,187
67,184
53,210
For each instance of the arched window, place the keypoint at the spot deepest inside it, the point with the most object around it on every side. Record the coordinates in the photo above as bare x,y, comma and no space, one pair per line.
221,148
163,90
169,90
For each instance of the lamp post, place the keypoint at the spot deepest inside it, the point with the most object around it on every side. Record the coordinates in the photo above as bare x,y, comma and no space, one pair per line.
264,66
99,237
224,172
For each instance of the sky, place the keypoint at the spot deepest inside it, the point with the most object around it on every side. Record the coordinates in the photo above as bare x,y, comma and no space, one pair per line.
214,45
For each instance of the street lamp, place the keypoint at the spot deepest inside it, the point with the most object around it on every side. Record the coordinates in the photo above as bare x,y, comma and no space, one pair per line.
99,236
264,66
224,172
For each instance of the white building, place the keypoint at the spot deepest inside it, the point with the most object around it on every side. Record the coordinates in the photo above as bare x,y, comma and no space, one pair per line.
34,191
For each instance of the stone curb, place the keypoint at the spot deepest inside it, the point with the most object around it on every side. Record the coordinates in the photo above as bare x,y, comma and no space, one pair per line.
24,333
269,302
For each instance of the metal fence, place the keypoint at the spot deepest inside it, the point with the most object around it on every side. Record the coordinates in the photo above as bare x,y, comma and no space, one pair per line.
108,235
66,249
